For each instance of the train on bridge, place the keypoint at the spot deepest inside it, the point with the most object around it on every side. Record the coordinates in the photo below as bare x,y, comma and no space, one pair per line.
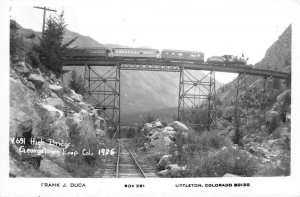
150,54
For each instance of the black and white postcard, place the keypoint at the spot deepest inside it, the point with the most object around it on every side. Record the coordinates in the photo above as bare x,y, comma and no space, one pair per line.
128,97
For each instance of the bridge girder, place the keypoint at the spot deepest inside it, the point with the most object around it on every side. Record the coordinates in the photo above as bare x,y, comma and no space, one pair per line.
170,66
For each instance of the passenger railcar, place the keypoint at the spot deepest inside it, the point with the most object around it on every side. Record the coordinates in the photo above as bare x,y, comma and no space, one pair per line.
95,53
135,53
168,54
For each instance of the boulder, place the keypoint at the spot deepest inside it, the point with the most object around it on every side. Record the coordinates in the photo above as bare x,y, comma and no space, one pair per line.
158,124
55,102
147,128
24,128
164,173
76,97
84,106
52,76
38,80
164,162
230,175
53,95
58,81
154,134
167,141
58,90
99,123
48,110
21,109
178,126
21,68
169,131
288,117
52,123
30,85
91,108
100,133
168,128
177,171
53,170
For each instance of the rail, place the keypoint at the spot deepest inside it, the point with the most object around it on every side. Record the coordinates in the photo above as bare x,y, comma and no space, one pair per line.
131,155
117,168
136,163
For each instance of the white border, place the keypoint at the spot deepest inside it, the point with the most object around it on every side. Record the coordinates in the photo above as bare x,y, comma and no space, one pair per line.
274,186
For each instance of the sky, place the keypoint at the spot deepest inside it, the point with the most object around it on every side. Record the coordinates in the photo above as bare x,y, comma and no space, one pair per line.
215,27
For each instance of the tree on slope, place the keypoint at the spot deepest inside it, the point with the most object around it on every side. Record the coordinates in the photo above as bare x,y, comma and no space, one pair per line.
52,50
76,83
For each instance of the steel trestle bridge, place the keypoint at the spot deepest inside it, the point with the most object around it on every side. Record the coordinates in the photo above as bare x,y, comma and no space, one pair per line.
103,88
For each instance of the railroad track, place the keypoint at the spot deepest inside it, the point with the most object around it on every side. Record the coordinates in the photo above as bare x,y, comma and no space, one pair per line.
127,166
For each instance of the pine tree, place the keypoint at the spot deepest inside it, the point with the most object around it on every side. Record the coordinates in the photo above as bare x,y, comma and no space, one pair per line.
52,50
81,89
76,83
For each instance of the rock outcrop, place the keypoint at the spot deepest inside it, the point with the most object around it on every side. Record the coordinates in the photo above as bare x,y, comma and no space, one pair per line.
54,125
37,80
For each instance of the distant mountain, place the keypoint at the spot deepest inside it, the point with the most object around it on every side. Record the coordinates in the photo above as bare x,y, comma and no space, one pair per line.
81,41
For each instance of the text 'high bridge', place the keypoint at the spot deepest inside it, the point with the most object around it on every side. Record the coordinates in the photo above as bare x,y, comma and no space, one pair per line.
103,88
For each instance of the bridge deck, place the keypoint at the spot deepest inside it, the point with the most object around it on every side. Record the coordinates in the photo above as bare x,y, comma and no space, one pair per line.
168,66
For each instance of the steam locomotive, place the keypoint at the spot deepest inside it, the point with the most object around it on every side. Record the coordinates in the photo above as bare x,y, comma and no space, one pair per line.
150,54
227,60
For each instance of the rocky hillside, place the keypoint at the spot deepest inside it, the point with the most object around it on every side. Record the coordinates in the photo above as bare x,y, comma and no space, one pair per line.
52,130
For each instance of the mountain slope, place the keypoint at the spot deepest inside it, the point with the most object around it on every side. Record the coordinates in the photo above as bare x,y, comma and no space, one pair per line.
81,41
277,57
